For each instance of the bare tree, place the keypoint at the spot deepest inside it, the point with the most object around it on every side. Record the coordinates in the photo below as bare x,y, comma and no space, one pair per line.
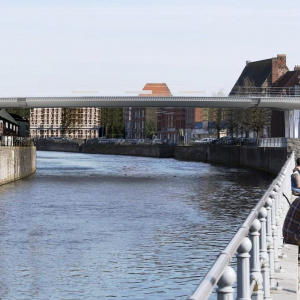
69,119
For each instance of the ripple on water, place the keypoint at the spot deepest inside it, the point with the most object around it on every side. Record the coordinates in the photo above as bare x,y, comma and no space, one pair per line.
103,227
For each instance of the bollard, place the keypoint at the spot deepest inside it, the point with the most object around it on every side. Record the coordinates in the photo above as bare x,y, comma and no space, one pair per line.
243,270
225,290
255,270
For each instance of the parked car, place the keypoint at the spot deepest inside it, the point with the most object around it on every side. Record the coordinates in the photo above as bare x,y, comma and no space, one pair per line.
103,141
157,142
140,141
206,141
120,141
131,142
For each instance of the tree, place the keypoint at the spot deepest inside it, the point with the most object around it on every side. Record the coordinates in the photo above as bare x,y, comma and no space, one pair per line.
150,129
112,121
23,112
217,115
151,122
255,119
69,119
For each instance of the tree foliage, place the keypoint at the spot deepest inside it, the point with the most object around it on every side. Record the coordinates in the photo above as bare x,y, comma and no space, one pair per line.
112,121
23,112
248,119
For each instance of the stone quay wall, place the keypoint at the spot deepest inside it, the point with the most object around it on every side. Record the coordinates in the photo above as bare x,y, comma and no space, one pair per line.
57,146
16,163
158,151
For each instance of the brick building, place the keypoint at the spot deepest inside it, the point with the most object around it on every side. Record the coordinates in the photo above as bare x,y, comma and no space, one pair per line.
263,75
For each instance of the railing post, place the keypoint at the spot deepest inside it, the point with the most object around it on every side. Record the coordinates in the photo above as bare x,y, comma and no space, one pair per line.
225,290
243,270
255,269
270,242
270,246
275,221
265,270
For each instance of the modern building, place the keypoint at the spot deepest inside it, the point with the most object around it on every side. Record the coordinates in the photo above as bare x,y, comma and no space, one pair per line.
81,123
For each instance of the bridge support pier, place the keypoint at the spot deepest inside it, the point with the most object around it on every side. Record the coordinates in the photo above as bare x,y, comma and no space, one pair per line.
291,118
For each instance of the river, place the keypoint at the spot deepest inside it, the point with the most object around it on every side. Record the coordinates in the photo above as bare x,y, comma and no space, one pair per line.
117,227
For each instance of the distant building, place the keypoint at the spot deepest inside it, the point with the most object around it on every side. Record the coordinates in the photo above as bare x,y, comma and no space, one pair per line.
48,122
263,74
173,125
8,125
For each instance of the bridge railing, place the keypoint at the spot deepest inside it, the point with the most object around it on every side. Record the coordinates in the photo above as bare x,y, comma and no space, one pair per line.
258,246
13,141
272,142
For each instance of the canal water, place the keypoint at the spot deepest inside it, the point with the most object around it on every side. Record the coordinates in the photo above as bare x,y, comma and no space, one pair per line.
117,227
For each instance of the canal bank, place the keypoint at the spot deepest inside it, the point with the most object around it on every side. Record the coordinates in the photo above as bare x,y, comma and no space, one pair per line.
267,159
16,163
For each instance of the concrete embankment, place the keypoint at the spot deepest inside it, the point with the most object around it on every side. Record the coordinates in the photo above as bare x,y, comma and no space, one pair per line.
266,159
16,163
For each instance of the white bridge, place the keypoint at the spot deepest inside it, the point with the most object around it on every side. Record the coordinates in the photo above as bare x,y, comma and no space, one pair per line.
280,103
290,105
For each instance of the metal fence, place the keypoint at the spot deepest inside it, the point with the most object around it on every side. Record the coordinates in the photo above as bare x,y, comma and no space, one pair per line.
272,142
13,141
258,244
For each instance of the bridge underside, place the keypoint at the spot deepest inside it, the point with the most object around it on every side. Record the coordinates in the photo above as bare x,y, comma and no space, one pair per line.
280,103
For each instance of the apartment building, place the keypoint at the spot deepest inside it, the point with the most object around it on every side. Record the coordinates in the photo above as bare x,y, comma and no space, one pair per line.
81,123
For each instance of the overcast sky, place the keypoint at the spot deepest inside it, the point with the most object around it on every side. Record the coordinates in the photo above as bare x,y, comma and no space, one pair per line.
117,46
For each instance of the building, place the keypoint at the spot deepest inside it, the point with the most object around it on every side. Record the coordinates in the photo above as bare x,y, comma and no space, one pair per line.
9,128
288,85
173,125
258,78
81,123
24,126
142,122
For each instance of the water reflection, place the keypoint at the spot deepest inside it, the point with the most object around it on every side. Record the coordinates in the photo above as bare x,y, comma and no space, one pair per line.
100,227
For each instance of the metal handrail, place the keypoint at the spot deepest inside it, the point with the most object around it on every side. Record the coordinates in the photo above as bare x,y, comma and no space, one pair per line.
205,288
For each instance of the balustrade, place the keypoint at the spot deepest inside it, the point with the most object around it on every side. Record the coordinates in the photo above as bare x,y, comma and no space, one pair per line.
258,247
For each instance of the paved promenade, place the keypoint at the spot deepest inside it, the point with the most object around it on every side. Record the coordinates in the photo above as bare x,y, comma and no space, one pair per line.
288,280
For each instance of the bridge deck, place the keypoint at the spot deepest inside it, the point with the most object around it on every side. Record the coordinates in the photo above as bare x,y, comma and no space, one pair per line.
282,103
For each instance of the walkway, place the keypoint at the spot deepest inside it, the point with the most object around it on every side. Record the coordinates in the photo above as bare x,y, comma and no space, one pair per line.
288,279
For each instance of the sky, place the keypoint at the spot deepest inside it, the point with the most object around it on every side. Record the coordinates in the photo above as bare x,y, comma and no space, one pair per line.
115,47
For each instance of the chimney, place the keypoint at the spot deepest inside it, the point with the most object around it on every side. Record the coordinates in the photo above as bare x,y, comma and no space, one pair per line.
297,68
248,62
279,67
281,58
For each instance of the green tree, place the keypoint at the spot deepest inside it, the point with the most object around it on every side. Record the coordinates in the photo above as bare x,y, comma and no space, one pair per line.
112,119
150,129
